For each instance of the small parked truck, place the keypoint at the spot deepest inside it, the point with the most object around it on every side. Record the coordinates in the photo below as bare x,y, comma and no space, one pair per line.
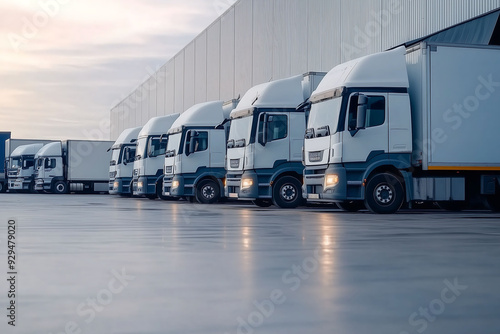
3,170
196,151
80,166
264,150
21,172
147,179
121,166
416,124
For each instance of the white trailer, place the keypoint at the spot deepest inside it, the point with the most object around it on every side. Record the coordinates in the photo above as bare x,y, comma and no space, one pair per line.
406,125
19,161
147,179
73,166
264,150
196,151
121,166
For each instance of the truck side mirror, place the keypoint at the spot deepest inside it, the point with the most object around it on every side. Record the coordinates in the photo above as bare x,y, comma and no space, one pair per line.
262,135
361,112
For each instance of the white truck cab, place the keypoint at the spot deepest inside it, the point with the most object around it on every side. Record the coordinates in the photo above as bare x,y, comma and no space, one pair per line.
264,150
121,166
196,150
147,179
21,171
50,168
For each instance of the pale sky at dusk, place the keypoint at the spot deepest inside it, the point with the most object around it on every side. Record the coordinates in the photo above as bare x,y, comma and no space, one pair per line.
65,63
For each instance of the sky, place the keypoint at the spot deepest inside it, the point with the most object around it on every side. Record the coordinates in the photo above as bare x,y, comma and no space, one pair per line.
65,63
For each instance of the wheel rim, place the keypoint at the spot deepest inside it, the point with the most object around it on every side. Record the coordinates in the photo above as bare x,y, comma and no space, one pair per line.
60,187
208,192
384,194
288,192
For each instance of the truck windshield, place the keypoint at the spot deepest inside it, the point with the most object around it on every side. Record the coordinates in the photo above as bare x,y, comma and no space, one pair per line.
16,162
174,142
141,148
115,155
157,146
241,128
325,114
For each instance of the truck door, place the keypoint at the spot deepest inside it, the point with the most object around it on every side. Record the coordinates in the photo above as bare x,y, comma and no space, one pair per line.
196,151
274,140
358,144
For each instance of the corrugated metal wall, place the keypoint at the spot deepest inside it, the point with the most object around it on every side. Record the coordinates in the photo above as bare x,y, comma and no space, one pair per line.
259,40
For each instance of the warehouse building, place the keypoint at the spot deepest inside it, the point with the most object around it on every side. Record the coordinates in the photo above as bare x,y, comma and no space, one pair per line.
256,41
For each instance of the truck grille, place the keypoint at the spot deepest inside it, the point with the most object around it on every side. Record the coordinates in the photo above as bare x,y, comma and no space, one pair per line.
316,156
234,163
169,169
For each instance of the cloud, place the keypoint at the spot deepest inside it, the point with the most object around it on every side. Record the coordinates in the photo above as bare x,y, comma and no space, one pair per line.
64,79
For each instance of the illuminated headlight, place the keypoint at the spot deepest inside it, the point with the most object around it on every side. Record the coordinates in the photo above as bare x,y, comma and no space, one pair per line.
139,184
246,183
331,180
115,185
175,184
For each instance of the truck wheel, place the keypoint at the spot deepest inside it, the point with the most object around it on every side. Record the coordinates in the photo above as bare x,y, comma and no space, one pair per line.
207,192
60,187
263,203
384,194
287,193
31,188
3,188
351,206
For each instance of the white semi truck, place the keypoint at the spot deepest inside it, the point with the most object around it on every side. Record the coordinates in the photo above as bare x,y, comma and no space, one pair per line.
410,124
121,166
147,180
264,150
21,172
196,151
19,163
73,166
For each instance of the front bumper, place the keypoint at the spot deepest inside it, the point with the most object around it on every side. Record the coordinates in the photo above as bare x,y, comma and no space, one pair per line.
144,185
181,189
314,184
233,183
43,184
19,184
120,185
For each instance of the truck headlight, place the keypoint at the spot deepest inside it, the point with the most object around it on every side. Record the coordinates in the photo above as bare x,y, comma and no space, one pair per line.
175,184
331,180
115,185
246,183
139,184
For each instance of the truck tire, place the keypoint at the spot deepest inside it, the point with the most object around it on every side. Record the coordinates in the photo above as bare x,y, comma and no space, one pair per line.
287,193
31,188
60,187
351,206
263,203
3,188
207,192
384,194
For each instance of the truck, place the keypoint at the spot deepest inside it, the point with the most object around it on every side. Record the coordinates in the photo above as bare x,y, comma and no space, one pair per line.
412,124
18,164
77,166
264,149
121,166
147,179
3,169
196,152
21,172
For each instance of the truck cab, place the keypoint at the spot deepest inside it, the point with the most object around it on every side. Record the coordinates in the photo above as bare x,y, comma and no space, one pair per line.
121,166
21,169
49,173
264,148
147,179
195,155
